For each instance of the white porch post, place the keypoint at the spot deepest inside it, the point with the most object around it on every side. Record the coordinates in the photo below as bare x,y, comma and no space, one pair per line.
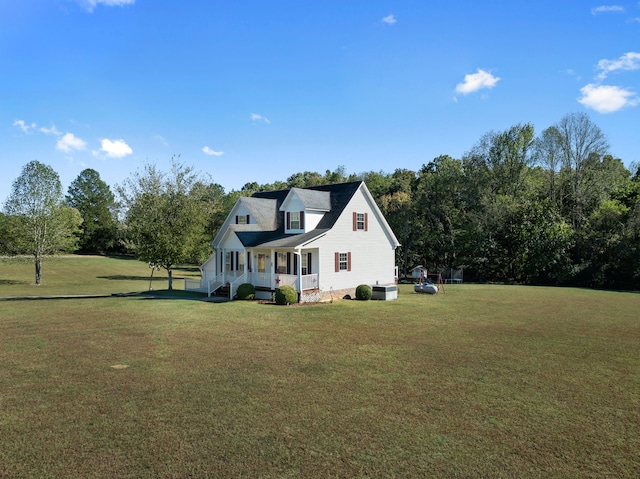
272,254
246,266
298,253
223,266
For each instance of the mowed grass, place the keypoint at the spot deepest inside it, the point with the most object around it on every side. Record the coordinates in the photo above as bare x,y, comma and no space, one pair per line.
71,275
481,381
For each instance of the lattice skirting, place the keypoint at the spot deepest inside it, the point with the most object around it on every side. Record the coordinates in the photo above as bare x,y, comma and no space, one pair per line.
312,296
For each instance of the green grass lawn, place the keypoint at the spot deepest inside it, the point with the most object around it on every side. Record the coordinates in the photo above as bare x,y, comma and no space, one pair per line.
84,275
481,381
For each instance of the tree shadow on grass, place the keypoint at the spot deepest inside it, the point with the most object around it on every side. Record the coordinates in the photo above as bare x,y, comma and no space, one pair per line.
124,277
4,282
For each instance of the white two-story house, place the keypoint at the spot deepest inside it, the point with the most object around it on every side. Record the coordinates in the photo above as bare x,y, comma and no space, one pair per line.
323,240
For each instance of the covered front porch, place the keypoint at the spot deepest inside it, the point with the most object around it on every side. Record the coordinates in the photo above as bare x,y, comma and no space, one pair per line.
265,269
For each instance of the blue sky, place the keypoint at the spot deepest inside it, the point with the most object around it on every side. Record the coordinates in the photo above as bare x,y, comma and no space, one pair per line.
258,90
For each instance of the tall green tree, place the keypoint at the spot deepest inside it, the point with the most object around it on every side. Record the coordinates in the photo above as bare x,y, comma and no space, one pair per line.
548,153
438,212
93,198
43,224
164,216
397,206
579,140
496,180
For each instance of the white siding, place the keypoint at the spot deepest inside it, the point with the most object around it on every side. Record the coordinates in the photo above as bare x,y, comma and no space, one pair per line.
311,220
293,205
208,268
231,241
241,210
372,251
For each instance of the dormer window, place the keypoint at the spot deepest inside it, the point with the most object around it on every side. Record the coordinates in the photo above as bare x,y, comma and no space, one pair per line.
242,219
295,220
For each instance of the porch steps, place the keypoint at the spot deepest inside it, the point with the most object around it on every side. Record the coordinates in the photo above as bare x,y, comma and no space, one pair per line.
222,291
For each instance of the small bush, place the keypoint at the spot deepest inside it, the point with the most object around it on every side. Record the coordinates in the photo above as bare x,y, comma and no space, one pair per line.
246,291
363,292
286,295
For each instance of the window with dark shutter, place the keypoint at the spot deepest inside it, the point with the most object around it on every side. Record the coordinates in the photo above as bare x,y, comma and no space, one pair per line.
360,221
293,220
343,262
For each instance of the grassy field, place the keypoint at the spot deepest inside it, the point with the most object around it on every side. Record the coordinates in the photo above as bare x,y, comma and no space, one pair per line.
84,275
482,381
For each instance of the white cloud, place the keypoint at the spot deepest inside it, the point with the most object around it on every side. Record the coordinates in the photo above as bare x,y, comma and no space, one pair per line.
25,127
627,62
161,139
50,131
607,9
477,81
389,19
256,118
70,142
209,152
606,99
90,5
115,148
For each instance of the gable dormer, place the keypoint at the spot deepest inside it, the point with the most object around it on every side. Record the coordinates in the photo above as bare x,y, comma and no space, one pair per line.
249,214
303,209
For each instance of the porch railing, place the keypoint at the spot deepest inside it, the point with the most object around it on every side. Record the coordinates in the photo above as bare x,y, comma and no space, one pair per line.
286,279
268,280
213,284
309,281
233,285
192,284
260,279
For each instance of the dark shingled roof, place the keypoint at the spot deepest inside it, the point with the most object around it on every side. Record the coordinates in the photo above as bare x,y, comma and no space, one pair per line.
263,210
340,194
314,199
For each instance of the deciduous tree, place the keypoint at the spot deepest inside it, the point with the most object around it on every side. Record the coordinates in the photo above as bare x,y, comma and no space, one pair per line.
45,224
165,218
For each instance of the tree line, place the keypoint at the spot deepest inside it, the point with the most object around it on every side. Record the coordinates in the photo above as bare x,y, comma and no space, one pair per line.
556,208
